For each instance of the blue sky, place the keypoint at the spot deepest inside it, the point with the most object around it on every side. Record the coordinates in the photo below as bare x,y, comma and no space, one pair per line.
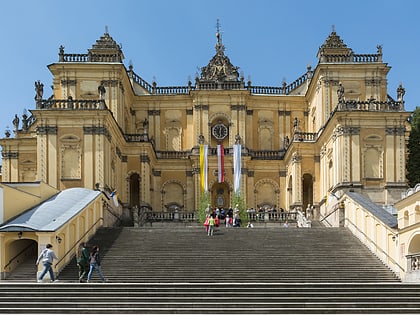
270,40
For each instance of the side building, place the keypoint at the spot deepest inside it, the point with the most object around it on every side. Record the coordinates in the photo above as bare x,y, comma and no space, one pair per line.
335,129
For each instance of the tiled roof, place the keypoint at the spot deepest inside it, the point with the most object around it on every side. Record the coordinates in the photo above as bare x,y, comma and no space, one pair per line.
52,213
375,209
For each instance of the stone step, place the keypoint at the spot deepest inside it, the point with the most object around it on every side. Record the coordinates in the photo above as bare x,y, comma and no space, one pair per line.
275,254
220,298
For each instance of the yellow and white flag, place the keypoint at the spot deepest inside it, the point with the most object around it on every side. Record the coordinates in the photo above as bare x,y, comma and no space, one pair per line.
203,167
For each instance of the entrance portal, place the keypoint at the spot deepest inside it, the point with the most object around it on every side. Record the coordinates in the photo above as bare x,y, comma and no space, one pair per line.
220,195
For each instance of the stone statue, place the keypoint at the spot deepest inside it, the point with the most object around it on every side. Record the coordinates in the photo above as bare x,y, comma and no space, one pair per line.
400,93
200,139
296,124
145,126
24,121
16,123
340,92
101,91
286,142
39,88
237,139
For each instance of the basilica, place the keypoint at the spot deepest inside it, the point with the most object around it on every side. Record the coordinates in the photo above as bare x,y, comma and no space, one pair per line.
335,129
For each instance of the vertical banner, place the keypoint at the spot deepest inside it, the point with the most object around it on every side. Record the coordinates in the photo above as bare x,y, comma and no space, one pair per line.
237,168
114,197
203,167
220,163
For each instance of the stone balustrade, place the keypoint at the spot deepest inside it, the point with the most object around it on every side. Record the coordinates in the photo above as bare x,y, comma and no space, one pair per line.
351,58
172,154
136,137
71,104
371,105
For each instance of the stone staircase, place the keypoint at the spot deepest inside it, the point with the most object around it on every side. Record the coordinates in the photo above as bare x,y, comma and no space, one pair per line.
235,255
236,271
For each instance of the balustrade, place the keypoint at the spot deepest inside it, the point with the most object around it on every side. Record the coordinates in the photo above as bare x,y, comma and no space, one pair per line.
358,58
90,58
267,154
136,137
172,90
413,261
191,216
72,104
371,105
172,154
304,136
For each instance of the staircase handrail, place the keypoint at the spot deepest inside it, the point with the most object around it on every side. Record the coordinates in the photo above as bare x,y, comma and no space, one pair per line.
335,209
376,246
78,242
17,255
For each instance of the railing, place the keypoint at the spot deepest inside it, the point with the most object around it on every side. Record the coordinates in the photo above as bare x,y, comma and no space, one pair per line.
272,216
75,58
359,58
304,136
413,261
71,104
235,85
181,216
369,241
267,154
186,216
136,137
172,154
371,105
278,90
283,90
171,90
90,58
21,253
334,210
71,250
139,80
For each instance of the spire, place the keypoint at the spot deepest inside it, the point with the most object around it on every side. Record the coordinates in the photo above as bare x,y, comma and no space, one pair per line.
220,48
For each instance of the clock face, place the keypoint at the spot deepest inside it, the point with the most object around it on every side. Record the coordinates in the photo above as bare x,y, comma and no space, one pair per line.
220,131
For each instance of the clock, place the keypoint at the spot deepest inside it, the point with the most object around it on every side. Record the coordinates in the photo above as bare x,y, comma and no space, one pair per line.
220,131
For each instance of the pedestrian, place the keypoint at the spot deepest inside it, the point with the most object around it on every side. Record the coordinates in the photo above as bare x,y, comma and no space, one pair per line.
211,226
237,220
47,257
206,223
95,264
82,258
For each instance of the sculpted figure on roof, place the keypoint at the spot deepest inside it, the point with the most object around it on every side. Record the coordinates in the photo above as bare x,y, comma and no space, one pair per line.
219,68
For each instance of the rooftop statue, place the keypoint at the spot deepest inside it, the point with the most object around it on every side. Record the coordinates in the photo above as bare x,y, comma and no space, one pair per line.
219,68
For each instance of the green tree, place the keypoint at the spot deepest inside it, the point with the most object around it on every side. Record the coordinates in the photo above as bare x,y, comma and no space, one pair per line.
413,162
238,200
204,202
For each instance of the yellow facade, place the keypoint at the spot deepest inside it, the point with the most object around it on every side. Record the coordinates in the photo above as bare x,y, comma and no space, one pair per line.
335,128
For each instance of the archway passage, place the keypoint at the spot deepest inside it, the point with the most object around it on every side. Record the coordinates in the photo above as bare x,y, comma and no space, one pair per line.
134,190
307,190
220,195
20,260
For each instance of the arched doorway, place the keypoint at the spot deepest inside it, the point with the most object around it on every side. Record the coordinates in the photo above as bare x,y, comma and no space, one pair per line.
134,189
220,195
307,190
20,257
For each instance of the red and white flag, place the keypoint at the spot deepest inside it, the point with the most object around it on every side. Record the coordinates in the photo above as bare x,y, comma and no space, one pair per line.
220,163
